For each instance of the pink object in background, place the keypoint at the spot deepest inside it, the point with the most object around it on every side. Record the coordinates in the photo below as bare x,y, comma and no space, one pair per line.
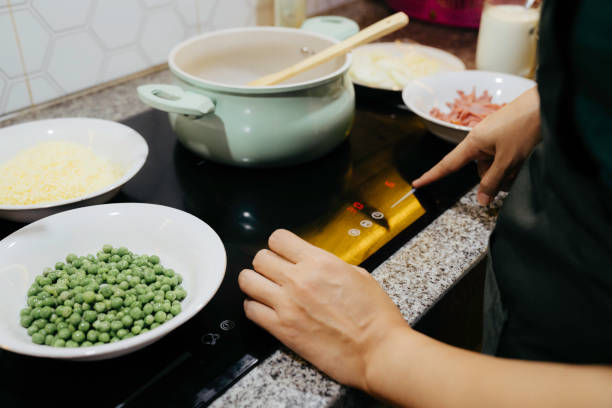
459,13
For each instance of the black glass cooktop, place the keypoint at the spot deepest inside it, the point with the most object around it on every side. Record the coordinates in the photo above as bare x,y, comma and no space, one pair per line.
198,361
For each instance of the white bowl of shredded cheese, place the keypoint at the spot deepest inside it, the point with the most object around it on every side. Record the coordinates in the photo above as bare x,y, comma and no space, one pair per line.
53,165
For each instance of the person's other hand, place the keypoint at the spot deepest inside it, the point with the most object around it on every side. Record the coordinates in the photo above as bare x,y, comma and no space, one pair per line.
330,312
499,144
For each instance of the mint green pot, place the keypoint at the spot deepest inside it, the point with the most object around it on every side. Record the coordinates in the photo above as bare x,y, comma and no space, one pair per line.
215,115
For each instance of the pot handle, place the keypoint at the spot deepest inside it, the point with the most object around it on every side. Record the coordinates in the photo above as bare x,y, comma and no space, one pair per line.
337,27
172,98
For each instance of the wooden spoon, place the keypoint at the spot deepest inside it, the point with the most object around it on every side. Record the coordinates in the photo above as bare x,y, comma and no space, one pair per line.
368,34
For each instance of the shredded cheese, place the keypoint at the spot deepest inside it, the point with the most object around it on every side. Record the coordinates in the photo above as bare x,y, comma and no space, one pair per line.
54,171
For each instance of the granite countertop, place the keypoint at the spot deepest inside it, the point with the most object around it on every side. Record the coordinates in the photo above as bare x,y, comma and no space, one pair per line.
415,277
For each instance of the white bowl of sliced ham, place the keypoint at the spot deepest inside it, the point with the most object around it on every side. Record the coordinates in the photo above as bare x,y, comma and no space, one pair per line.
452,103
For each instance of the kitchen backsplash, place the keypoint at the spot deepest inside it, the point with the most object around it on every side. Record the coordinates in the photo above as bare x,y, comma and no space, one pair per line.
51,48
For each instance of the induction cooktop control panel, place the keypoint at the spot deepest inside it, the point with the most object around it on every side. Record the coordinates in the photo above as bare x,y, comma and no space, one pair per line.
373,213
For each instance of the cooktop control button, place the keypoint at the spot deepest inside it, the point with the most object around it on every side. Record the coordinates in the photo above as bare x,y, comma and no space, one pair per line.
227,325
377,215
366,223
353,232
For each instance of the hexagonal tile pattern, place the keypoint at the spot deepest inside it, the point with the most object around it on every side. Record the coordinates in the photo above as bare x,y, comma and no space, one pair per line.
233,13
117,22
34,41
162,30
63,14
18,98
4,3
75,61
122,64
190,11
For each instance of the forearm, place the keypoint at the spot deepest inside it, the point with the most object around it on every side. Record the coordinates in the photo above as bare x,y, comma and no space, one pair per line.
410,369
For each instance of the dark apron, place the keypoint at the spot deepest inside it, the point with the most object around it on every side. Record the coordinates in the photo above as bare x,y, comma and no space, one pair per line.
548,291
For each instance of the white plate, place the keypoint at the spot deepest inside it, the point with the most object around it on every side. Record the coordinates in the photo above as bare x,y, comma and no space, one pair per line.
447,61
182,241
112,141
435,91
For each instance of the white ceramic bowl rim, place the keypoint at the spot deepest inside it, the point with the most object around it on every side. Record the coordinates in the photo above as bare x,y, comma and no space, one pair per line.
218,86
131,172
424,82
132,344
435,53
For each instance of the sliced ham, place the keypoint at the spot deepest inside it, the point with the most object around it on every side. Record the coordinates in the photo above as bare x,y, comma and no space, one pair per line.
467,109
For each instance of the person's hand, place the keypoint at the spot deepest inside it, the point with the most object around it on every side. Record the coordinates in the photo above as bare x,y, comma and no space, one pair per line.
330,312
499,144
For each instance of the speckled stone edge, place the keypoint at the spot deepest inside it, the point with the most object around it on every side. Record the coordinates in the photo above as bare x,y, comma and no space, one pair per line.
415,277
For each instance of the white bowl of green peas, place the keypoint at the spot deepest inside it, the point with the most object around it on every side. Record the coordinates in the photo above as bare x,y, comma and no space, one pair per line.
102,281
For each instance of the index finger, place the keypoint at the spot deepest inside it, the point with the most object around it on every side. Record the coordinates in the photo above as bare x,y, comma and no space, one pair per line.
453,161
290,246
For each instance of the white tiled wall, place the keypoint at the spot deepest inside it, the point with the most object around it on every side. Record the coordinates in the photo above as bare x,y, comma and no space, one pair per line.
71,45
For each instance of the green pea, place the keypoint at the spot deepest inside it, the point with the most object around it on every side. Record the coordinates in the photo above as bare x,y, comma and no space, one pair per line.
78,336
136,329
171,295
34,289
116,325
175,309
59,266
154,259
86,344
147,309
154,325
83,326
39,323
135,313
116,302
32,330
49,339
107,248
72,343
127,321
26,321
63,334
106,291
74,319
104,337
89,316
70,258
51,328
104,326
38,338
149,319
92,335
160,316
99,307
25,311
121,333
59,342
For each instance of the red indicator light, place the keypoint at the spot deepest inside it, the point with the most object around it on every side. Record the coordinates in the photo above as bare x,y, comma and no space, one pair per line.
351,209
358,205
389,184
